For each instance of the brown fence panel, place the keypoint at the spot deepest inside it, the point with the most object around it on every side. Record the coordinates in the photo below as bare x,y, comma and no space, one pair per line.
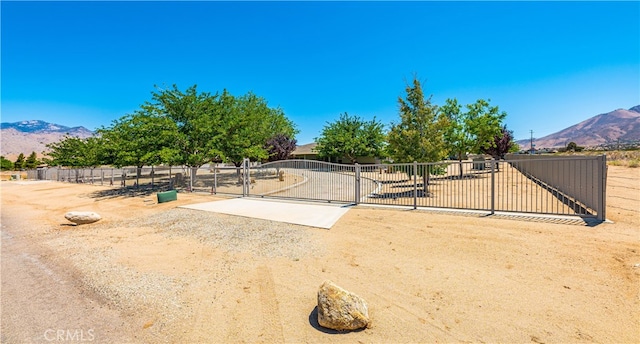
581,180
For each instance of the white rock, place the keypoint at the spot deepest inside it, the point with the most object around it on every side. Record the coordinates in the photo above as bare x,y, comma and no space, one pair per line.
82,217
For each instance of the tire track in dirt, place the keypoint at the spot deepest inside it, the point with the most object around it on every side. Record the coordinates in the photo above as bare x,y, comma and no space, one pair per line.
43,300
271,323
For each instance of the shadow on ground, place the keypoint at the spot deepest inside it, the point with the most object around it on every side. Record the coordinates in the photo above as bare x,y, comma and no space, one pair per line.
313,321
130,191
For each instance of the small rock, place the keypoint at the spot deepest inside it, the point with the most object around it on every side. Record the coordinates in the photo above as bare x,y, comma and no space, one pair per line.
82,217
341,310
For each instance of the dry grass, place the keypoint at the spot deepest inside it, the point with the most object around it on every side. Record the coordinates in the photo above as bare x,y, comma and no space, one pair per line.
628,158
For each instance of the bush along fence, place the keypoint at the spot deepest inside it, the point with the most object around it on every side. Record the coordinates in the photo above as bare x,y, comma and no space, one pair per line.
519,184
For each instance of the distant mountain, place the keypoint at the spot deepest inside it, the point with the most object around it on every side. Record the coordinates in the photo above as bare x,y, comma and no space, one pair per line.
37,126
619,125
33,136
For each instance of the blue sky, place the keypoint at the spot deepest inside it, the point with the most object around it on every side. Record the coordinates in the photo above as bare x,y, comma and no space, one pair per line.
549,65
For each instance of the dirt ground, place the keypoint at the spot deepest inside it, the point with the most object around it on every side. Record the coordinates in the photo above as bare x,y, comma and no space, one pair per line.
138,276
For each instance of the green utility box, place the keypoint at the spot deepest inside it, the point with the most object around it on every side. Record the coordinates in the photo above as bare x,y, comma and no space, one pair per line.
167,196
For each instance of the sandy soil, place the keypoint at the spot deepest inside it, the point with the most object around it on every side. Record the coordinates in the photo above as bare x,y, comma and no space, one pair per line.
142,274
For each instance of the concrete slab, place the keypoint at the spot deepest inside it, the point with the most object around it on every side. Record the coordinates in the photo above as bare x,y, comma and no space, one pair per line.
313,215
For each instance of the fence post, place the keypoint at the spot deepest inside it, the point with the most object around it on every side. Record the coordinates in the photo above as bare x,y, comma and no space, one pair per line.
152,176
602,188
215,179
245,177
248,176
415,185
357,186
191,176
493,186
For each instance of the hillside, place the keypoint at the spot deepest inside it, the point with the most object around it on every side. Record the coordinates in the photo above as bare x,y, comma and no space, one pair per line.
618,125
33,136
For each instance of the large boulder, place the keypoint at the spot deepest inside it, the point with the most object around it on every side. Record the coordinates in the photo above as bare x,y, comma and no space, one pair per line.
82,217
341,310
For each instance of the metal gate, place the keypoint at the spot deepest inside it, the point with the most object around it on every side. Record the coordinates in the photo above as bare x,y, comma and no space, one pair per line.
555,186
305,179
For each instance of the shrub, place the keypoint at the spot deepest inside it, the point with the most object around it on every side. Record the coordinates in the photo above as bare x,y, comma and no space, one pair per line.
5,164
615,162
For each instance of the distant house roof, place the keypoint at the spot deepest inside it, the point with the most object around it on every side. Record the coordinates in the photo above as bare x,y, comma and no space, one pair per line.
308,149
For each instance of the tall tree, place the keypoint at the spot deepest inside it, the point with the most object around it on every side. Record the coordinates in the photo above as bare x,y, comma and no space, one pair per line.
473,131
246,124
32,161
139,139
193,115
73,151
419,136
351,137
485,123
458,137
19,163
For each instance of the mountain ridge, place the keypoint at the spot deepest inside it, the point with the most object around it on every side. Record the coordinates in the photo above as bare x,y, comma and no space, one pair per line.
620,125
38,126
33,136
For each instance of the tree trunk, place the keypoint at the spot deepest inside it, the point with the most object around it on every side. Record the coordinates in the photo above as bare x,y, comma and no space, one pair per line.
138,173
425,182
192,177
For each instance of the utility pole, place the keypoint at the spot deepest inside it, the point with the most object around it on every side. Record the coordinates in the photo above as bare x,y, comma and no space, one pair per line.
531,150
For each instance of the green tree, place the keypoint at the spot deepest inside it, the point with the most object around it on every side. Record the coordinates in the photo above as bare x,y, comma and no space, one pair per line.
195,119
351,137
573,147
459,139
144,138
180,126
19,163
73,151
5,164
485,122
473,131
419,136
32,161
245,126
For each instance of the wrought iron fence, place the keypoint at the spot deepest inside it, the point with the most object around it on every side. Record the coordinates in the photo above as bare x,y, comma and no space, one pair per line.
305,179
575,186
522,184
